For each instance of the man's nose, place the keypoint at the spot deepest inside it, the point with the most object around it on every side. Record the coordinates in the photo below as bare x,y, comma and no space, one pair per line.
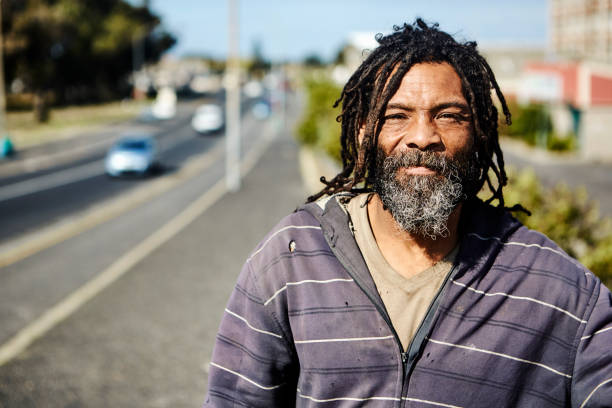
423,136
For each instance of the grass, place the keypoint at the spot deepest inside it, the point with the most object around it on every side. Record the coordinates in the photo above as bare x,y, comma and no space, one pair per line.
67,122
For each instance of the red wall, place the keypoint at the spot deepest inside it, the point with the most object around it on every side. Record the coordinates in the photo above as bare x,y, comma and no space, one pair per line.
568,74
601,90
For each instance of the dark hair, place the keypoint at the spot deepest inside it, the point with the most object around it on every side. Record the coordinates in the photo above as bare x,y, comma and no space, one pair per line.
366,95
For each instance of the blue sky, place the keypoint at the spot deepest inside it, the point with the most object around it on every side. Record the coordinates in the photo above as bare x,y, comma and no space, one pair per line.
291,29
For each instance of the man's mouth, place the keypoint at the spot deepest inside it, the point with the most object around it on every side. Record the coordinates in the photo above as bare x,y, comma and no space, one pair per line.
417,171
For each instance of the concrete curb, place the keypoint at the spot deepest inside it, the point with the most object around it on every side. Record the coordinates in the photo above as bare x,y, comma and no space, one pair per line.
314,164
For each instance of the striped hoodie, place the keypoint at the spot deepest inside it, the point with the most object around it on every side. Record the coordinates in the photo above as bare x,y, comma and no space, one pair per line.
517,323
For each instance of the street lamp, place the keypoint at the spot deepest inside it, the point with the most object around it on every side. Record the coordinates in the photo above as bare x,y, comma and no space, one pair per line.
232,102
6,148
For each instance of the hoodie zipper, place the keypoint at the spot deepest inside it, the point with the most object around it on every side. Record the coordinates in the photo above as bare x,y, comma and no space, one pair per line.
383,313
409,358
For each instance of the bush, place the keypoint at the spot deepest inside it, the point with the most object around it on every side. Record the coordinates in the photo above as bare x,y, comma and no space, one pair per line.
532,124
529,122
318,127
567,217
561,144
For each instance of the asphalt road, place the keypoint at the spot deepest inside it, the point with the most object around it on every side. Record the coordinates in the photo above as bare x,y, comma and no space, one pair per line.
146,338
46,196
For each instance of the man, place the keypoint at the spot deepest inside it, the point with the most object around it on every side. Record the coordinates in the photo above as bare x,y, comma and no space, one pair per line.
396,286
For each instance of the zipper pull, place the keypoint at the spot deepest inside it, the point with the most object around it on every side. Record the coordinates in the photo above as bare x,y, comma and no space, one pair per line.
404,358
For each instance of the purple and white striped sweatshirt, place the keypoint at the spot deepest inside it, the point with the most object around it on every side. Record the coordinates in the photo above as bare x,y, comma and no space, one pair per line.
518,323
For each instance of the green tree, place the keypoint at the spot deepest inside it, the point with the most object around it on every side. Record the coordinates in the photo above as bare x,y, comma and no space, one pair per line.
259,65
318,126
74,51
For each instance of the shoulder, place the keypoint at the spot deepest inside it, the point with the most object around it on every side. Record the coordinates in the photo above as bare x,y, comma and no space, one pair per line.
495,237
291,257
284,236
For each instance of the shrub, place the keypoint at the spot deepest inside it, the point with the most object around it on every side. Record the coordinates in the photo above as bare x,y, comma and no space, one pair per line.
532,124
529,122
567,217
561,144
318,127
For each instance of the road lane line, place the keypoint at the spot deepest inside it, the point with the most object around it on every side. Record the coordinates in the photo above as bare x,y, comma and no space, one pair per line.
33,243
52,180
69,175
76,299
73,302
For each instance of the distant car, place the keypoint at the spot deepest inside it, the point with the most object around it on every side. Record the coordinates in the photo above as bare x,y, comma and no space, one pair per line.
132,155
208,118
261,109
164,106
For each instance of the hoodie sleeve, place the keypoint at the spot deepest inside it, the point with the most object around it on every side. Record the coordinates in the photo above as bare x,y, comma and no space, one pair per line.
252,363
592,379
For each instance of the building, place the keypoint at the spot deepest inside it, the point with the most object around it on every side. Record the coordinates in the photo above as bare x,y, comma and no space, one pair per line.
582,29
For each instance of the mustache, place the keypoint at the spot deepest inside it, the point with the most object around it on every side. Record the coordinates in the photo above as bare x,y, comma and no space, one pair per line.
415,158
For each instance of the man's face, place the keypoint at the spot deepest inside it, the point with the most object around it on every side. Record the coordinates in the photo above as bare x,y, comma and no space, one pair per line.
424,161
428,113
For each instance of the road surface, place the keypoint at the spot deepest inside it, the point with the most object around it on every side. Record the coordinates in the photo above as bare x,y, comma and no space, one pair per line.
160,273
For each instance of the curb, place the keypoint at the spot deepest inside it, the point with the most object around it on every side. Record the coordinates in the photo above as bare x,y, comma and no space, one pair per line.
315,164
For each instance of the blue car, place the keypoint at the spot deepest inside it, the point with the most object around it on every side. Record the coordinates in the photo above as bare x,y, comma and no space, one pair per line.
132,155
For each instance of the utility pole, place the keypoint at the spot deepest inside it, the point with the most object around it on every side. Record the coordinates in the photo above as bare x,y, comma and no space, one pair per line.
6,147
232,101
2,87
138,55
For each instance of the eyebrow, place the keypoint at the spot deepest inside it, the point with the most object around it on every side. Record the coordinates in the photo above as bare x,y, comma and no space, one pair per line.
438,107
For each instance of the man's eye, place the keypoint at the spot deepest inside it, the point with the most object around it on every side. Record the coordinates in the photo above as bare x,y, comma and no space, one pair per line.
457,117
395,116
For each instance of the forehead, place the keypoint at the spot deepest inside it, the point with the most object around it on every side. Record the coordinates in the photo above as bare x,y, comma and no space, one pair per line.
427,83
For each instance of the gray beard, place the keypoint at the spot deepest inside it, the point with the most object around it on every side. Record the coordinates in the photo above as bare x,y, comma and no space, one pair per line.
422,204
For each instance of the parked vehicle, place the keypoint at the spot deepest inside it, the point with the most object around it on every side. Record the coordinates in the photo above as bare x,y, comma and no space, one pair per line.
132,155
208,118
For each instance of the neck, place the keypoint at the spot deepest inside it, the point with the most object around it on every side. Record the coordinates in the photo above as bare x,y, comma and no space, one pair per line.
397,245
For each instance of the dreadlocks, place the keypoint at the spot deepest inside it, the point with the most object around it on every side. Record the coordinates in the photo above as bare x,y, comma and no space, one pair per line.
366,95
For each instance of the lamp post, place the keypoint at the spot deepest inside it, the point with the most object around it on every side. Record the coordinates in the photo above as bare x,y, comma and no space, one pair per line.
2,88
232,101
6,147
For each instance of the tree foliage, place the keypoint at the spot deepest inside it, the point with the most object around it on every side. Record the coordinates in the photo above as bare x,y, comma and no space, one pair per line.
566,216
78,50
532,124
318,126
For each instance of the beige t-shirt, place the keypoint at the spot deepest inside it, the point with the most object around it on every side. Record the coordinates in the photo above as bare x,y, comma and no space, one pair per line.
406,300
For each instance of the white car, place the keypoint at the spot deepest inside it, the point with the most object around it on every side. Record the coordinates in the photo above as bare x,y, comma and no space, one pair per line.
135,155
208,118
164,106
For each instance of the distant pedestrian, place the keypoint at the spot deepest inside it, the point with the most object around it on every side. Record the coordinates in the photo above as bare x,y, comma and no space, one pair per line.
396,285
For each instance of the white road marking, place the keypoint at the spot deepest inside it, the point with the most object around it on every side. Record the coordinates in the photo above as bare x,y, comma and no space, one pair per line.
52,235
70,304
53,180
66,176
